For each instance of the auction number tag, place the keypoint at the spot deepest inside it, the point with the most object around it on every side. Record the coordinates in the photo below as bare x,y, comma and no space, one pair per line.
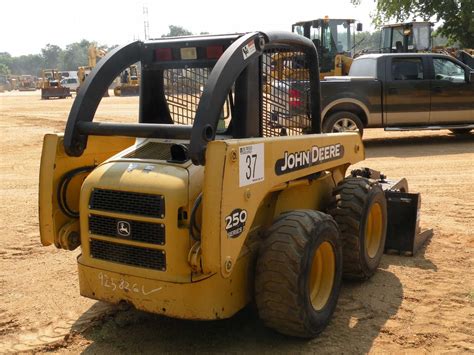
251,164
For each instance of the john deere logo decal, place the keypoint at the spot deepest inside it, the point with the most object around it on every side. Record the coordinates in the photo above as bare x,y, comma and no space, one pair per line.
124,229
306,158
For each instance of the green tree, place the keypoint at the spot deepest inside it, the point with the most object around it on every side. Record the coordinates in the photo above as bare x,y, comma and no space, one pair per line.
177,31
75,55
52,55
6,59
28,64
367,41
4,70
457,16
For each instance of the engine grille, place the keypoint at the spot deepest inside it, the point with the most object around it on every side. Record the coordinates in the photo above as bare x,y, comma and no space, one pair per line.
128,203
129,255
139,231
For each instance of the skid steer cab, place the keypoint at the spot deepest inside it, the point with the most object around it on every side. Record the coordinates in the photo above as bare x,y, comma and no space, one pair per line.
206,203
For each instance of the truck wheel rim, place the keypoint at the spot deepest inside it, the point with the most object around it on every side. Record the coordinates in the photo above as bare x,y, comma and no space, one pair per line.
345,125
373,230
323,269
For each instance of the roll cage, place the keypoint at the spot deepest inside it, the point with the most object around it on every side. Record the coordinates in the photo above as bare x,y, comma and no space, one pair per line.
233,66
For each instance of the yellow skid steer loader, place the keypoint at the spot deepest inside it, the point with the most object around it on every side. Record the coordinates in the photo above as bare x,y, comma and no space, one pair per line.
194,212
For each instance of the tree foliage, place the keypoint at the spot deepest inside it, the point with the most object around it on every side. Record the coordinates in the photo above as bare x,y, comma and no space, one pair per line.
4,70
367,41
457,16
51,57
69,59
177,31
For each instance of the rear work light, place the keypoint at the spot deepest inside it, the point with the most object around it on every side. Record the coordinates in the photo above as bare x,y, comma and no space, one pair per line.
188,53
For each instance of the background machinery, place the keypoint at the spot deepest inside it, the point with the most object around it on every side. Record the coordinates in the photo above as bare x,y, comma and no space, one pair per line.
4,83
26,83
193,214
14,80
129,82
93,53
51,85
334,40
412,37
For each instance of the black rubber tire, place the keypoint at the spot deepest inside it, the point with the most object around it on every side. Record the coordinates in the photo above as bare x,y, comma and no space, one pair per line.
331,120
461,130
283,270
352,201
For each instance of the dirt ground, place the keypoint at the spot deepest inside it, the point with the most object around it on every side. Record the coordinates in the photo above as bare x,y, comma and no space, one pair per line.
419,304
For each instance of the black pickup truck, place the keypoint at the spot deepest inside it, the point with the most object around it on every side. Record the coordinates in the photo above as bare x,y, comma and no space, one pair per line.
408,91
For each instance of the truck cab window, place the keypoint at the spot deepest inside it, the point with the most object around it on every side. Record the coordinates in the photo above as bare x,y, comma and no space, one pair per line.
364,67
407,69
444,69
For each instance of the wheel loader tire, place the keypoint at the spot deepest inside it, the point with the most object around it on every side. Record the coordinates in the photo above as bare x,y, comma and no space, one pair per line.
360,210
299,272
343,121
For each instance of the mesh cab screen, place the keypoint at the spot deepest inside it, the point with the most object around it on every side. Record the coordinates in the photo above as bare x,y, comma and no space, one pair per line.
284,92
285,101
183,89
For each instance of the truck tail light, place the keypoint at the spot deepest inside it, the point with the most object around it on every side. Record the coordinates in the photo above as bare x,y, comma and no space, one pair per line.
295,98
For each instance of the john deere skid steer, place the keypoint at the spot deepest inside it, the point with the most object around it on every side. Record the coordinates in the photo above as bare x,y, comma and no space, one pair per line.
206,204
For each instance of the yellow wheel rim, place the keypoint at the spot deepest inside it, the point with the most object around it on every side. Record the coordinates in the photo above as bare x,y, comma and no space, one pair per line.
322,274
373,230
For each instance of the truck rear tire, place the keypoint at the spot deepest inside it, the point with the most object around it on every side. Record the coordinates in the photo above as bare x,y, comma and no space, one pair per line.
343,121
299,271
360,210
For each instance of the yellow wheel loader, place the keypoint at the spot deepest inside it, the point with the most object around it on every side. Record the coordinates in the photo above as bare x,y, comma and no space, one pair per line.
82,74
129,82
192,213
51,85
334,40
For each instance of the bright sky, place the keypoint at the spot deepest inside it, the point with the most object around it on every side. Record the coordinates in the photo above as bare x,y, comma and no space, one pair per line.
26,26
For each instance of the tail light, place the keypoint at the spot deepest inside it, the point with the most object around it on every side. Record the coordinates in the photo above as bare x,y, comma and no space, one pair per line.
214,52
163,54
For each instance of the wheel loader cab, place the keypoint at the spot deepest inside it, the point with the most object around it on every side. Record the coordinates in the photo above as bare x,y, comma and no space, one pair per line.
188,212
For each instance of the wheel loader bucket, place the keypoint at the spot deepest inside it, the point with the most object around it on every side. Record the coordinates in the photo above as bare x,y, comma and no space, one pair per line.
59,92
127,90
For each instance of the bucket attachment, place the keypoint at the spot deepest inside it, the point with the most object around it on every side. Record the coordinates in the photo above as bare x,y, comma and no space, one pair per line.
127,90
55,91
404,234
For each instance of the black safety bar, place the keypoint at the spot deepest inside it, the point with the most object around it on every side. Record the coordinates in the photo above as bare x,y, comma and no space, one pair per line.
92,91
243,51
